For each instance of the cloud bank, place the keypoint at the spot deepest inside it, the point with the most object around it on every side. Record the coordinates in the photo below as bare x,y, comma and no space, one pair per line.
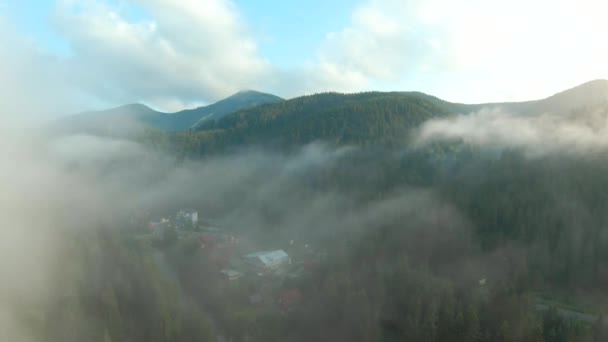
56,189
578,132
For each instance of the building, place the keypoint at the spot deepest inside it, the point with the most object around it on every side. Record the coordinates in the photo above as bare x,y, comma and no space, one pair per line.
186,218
268,260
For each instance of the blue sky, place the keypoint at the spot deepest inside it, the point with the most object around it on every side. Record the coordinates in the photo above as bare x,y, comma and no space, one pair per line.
87,54
290,30
33,20
282,28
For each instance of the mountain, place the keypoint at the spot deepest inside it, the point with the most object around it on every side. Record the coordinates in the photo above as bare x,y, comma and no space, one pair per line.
589,94
252,117
359,119
136,117
187,119
121,121
440,244
216,111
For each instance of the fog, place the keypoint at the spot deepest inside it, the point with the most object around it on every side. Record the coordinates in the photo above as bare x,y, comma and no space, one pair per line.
57,187
61,190
582,130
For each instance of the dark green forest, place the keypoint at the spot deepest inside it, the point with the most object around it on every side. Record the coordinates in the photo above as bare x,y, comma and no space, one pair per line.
536,230
488,245
366,119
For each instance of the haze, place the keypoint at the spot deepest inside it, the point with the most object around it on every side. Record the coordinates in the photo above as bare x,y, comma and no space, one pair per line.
238,171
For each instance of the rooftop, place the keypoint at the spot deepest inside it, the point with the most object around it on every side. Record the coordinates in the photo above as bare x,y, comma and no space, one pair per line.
269,257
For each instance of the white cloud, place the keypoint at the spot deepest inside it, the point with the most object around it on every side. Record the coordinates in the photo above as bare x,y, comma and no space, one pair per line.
31,81
472,50
581,131
382,43
182,53
185,52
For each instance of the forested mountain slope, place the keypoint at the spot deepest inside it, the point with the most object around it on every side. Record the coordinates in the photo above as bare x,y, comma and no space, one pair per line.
452,241
363,119
133,118
340,119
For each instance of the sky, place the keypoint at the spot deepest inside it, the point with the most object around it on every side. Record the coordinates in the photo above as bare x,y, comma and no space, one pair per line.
63,56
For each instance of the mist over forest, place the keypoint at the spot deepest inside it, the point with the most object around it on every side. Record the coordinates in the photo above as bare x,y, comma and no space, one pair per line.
303,170
403,217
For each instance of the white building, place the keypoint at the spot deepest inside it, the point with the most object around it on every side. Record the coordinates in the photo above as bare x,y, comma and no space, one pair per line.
268,259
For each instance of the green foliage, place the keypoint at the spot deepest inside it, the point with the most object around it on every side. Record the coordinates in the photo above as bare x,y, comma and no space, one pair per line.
530,226
125,297
362,119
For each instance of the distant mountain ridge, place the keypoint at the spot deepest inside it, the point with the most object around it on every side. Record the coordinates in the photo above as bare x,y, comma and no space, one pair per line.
251,117
369,118
241,100
136,117
588,94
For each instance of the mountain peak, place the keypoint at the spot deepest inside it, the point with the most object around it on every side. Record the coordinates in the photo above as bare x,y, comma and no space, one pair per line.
243,99
133,107
587,94
597,87
251,93
595,83
248,91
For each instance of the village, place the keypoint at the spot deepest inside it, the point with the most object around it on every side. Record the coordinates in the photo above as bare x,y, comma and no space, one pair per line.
272,278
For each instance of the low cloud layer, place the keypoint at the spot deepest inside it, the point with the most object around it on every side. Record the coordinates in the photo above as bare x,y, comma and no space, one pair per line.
53,188
581,131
